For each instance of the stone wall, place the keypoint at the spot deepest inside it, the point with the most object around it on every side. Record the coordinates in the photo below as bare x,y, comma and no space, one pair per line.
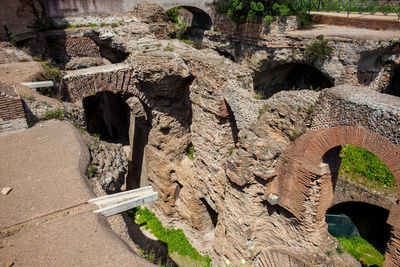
355,106
17,16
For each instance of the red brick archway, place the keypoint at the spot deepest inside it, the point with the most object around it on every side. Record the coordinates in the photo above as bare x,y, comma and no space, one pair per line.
304,185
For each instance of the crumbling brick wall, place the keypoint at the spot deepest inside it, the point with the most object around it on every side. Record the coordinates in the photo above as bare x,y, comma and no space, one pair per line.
12,115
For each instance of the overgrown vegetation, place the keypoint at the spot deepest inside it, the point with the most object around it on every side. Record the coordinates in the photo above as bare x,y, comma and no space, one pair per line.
363,251
176,240
50,73
242,11
54,114
10,36
172,15
319,49
360,161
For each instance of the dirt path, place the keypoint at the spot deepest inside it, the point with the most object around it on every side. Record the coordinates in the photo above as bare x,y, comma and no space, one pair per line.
346,32
44,220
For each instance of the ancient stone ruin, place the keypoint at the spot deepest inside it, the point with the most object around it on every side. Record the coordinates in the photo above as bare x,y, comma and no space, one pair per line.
264,123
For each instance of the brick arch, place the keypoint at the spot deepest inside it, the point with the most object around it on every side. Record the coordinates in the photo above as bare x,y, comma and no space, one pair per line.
118,79
304,185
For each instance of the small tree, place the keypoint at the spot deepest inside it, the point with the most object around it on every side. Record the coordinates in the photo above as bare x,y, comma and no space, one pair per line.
319,49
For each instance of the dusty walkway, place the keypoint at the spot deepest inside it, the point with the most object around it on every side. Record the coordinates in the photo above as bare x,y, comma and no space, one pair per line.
346,32
44,220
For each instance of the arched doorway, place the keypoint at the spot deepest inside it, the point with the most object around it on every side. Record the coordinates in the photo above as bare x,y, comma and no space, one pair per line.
107,115
192,16
305,182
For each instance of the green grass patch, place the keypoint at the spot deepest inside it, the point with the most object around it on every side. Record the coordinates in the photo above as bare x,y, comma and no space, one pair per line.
190,151
363,251
360,161
176,240
54,114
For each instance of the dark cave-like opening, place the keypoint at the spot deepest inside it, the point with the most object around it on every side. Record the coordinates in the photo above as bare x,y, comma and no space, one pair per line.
369,220
107,115
393,87
211,212
193,16
291,76
226,54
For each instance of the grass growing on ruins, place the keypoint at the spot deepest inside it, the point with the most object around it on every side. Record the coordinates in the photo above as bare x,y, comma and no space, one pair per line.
363,251
357,160
319,49
50,73
176,240
190,151
54,114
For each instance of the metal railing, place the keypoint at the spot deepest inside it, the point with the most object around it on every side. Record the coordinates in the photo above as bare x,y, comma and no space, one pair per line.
361,6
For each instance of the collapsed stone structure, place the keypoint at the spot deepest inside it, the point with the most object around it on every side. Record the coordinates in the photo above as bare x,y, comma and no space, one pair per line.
244,148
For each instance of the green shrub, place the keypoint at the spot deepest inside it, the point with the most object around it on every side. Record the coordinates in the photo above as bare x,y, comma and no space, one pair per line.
267,19
53,114
50,74
175,240
361,161
363,251
256,11
91,169
172,15
281,10
10,36
295,135
242,11
319,49
190,151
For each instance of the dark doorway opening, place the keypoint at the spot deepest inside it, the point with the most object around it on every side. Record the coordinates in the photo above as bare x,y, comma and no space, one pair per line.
107,115
370,221
211,212
291,76
393,87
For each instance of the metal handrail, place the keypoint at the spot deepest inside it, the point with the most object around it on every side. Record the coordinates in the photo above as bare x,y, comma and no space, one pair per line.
361,6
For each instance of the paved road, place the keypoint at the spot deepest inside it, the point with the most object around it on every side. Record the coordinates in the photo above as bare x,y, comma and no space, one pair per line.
44,220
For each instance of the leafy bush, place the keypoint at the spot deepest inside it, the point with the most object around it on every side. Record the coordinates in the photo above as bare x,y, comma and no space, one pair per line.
267,19
50,74
363,251
361,161
175,239
242,11
319,49
172,15
281,10
256,11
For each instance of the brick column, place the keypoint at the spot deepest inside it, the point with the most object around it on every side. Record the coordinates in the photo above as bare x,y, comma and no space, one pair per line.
392,257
